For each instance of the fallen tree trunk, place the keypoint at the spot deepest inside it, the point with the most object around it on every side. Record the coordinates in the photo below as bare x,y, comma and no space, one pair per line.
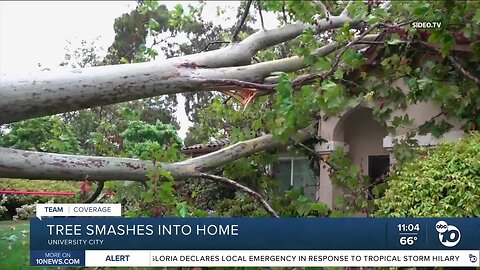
53,92
49,166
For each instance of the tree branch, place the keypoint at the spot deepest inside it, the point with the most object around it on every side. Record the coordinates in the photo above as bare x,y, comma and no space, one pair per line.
241,22
382,178
374,42
60,92
255,195
317,155
353,42
269,88
98,191
324,9
454,61
260,13
460,68
212,43
345,10
55,92
336,62
20,164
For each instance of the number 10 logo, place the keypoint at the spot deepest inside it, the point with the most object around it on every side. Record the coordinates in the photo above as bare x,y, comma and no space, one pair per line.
448,235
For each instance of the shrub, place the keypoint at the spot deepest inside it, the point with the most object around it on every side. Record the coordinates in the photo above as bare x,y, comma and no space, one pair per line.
440,182
291,203
239,208
25,212
14,201
3,209
203,193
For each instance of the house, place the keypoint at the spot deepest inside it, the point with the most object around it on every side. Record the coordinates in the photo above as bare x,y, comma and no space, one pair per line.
367,142
294,171
291,170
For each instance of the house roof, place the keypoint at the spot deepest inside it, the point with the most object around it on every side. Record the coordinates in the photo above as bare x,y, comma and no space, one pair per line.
207,147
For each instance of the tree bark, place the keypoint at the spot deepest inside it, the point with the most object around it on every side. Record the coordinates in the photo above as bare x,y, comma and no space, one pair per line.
49,166
53,92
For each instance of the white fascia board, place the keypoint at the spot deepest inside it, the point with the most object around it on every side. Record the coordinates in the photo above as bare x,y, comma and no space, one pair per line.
425,140
330,146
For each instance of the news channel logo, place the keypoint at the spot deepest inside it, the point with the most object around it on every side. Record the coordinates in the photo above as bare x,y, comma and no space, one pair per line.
473,258
448,235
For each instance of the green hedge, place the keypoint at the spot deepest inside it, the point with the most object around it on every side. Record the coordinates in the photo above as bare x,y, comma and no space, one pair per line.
440,182
14,201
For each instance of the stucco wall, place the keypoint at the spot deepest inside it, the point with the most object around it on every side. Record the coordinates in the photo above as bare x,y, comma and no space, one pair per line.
364,137
419,113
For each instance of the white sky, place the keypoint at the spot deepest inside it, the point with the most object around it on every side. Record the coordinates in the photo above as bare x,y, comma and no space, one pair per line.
36,32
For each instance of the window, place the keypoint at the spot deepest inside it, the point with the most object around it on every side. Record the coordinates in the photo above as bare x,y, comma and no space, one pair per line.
296,172
377,166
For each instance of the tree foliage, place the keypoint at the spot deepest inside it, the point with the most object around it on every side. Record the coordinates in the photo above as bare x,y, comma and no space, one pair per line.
96,127
131,31
143,140
46,134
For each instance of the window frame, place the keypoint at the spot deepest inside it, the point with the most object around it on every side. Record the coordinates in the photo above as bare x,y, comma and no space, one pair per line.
291,159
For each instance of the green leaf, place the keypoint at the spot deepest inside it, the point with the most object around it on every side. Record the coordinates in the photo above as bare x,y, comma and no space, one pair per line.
183,210
166,174
178,9
143,9
476,18
323,64
394,40
477,211
320,207
336,213
168,187
151,52
448,44
257,124
148,5
338,74
303,209
420,9
147,197
352,59
333,95
436,36
153,24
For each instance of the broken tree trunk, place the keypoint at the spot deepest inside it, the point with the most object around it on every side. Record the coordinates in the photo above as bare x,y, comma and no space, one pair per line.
48,166
53,92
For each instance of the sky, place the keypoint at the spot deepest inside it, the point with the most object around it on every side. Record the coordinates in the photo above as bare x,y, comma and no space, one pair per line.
36,32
